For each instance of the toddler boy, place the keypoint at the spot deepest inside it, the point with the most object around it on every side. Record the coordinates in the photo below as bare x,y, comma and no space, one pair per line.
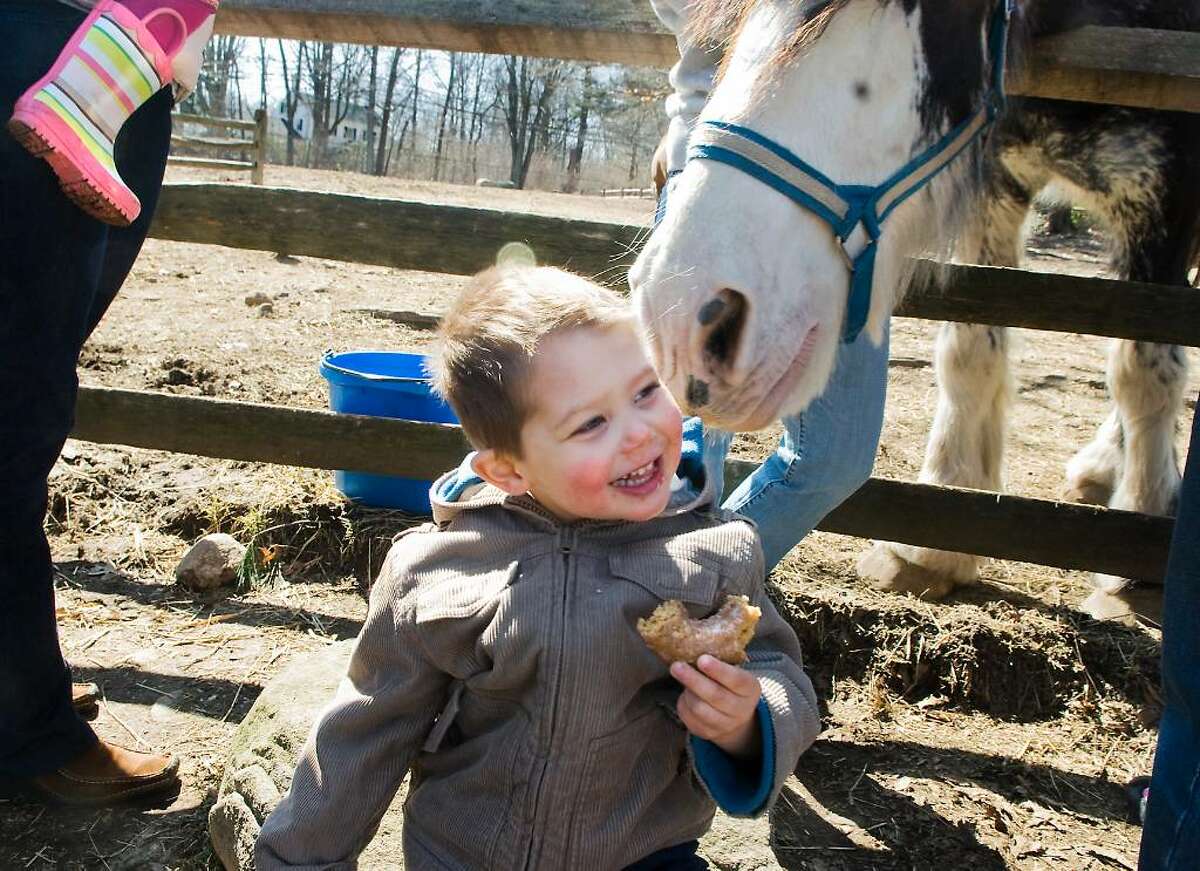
500,662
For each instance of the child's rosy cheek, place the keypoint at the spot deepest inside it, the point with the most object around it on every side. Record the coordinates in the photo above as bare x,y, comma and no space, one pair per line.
589,476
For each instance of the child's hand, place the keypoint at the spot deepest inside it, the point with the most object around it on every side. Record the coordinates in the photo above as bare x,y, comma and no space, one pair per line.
718,704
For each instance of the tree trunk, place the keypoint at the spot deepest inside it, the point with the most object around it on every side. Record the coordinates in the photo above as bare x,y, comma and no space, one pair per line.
416,98
633,150
381,152
262,68
575,159
291,100
369,152
516,111
320,71
441,135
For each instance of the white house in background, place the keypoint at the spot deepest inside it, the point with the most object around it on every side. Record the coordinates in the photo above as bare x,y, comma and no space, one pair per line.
352,129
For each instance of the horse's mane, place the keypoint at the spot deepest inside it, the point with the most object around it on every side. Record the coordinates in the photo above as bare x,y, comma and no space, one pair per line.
718,22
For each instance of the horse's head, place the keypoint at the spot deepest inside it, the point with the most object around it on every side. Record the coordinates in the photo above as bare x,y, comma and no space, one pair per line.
744,290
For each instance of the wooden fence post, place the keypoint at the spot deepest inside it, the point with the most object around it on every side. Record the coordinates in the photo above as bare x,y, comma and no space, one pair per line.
260,146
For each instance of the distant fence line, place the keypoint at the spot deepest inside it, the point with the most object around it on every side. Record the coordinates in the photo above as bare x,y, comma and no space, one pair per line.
257,144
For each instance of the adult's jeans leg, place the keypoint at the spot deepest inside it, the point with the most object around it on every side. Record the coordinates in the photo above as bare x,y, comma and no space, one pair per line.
1171,833
826,452
50,260
53,259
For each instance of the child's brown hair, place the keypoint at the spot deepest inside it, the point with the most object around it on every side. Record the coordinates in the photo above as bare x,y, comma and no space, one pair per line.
488,338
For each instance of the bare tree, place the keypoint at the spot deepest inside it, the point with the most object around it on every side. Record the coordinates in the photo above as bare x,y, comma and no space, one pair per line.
575,159
218,69
386,122
334,79
527,88
416,94
262,73
291,101
441,134
223,52
372,89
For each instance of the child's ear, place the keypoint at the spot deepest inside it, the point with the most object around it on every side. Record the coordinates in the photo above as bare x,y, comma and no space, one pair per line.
500,471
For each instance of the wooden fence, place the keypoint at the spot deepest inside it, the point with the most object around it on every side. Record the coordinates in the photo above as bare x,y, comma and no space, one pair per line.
1108,65
256,145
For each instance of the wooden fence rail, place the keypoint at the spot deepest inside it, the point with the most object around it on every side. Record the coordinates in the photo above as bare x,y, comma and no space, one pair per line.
462,240
1065,535
1120,66
258,144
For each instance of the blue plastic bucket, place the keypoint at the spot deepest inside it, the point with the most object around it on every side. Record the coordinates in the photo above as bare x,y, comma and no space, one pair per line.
383,384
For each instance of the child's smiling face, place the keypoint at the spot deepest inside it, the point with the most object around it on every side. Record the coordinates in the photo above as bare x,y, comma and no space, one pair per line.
604,437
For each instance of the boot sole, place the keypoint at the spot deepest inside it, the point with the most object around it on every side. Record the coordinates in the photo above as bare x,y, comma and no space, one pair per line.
80,189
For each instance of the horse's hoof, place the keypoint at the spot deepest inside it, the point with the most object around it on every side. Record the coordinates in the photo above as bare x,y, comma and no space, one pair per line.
1088,493
889,572
1122,601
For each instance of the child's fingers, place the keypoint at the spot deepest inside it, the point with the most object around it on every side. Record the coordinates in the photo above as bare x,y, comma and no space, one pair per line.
736,680
725,687
700,685
702,719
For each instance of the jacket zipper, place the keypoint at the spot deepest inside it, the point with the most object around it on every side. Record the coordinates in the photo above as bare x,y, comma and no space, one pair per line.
565,548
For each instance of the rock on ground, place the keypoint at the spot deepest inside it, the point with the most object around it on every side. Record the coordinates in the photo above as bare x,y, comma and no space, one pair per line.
263,753
211,562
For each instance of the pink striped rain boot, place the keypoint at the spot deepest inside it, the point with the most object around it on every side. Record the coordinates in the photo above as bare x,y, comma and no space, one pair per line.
122,55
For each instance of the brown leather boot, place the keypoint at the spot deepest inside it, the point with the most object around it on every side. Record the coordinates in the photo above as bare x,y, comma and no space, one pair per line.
85,698
106,774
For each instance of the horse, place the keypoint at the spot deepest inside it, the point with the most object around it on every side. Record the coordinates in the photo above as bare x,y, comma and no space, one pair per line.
844,138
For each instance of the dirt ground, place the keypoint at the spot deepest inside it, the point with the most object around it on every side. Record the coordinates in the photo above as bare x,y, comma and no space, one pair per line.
992,731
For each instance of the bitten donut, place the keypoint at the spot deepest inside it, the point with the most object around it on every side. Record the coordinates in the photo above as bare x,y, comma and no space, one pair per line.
676,637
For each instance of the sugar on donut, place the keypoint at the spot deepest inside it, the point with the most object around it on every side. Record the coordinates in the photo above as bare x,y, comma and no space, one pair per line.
676,637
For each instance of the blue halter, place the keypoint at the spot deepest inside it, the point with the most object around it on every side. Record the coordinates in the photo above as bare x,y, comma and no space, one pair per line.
846,207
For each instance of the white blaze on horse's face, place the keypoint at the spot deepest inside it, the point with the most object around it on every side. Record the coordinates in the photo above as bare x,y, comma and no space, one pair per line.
848,105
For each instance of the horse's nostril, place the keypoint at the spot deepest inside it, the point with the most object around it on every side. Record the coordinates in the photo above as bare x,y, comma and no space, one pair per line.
710,311
725,328
697,392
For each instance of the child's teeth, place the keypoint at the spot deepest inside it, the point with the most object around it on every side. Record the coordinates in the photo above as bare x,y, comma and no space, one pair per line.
637,476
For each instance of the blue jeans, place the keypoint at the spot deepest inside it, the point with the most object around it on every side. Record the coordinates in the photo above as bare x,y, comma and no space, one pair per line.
1171,833
59,270
826,453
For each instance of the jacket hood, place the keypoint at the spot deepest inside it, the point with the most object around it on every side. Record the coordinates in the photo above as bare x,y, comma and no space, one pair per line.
462,489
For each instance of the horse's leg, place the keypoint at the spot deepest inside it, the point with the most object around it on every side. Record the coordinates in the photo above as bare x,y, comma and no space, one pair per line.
966,445
965,449
1093,472
1146,381
1152,211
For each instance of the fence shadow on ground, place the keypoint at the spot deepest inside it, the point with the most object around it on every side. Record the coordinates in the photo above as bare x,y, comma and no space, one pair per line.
900,830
